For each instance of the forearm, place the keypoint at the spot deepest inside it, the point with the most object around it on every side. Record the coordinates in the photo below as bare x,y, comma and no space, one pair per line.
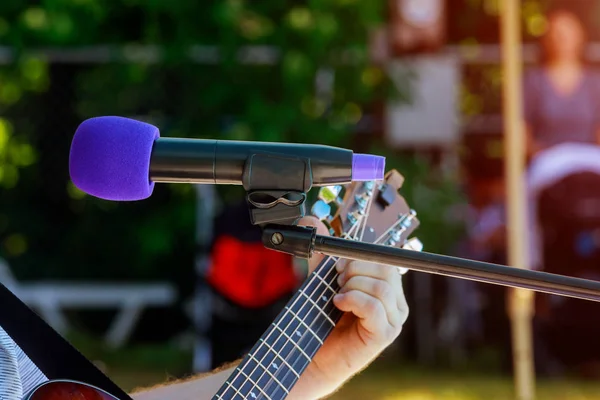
201,387
205,386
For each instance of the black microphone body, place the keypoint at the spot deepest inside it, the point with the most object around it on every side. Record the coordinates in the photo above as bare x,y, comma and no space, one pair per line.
120,159
224,162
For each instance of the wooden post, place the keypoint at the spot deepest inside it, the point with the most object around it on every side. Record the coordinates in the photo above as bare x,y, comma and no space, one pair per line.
520,302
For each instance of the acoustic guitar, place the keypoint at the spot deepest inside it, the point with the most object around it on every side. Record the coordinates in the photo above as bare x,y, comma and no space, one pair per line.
372,212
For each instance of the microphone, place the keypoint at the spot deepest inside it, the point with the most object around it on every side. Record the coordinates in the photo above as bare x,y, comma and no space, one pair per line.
120,159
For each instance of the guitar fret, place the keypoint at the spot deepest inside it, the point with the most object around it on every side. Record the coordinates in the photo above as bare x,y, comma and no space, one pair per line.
332,290
265,371
230,385
252,394
316,306
292,341
270,374
304,323
282,359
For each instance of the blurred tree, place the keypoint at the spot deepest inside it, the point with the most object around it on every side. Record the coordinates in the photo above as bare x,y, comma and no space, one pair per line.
314,91
139,58
434,195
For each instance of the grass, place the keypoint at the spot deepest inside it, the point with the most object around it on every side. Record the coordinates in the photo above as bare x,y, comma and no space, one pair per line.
148,365
381,382
384,383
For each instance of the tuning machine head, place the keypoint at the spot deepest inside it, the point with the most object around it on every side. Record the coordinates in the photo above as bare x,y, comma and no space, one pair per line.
411,244
331,194
363,196
322,210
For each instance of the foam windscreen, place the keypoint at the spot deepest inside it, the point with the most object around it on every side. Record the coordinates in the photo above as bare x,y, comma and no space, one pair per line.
110,158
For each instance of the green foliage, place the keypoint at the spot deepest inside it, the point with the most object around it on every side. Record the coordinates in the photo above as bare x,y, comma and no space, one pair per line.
432,194
48,228
163,357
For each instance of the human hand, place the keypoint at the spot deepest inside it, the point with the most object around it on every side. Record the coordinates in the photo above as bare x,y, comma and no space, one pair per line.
375,309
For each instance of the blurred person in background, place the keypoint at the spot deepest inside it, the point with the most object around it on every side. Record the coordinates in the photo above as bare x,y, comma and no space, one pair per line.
561,111
562,94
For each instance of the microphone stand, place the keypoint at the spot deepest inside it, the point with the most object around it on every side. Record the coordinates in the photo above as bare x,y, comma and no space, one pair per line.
304,242
277,208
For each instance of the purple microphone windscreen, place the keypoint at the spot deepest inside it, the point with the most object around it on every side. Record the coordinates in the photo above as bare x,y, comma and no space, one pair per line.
366,167
110,158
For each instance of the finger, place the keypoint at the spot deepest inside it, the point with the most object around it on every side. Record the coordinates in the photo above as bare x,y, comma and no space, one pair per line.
403,308
369,311
315,223
310,221
378,271
382,291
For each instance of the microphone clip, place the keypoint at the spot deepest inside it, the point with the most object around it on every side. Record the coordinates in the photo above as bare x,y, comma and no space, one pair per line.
276,187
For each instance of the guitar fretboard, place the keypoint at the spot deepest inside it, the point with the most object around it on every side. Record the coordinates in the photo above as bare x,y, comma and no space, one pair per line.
281,355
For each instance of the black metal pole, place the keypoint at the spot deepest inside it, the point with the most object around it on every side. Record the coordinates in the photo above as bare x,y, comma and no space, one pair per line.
460,268
303,242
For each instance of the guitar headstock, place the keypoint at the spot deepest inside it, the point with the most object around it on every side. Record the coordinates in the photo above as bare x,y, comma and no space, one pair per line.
373,212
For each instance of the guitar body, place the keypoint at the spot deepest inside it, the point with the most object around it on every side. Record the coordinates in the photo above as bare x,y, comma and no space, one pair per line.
67,390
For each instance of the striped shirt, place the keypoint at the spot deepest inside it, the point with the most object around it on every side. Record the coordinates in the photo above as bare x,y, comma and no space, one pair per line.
19,374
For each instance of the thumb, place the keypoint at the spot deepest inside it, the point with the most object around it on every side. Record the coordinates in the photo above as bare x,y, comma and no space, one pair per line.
311,221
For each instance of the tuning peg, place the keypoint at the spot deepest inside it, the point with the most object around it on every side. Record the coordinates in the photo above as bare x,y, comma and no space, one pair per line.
354,216
362,200
406,220
413,244
330,194
321,210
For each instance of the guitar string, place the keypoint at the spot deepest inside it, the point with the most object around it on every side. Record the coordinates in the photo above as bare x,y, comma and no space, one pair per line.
362,221
326,278
379,240
262,343
400,219
239,372
312,279
325,281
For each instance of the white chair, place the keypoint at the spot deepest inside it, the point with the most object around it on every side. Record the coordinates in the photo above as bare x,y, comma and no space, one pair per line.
50,299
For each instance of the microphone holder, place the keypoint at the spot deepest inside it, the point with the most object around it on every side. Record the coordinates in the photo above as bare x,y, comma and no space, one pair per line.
276,187
304,242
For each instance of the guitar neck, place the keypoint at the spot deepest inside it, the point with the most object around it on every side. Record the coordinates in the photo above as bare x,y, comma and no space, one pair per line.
281,355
